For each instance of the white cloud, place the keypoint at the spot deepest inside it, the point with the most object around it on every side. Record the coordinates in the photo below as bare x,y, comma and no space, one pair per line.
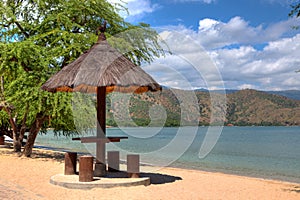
282,2
138,8
246,86
135,8
267,68
291,81
189,67
216,34
263,58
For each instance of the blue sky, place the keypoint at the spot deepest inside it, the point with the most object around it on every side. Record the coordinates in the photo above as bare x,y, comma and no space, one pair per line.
189,12
235,44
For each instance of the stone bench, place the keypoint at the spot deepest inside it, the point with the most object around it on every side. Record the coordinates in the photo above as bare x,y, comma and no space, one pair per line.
86,172
70,163
133,166
113,161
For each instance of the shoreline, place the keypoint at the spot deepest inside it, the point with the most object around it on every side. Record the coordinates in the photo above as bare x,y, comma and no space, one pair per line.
239,174
188,168
226,172
28,178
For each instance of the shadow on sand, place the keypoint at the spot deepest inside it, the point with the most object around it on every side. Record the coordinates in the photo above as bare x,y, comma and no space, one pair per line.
37,153
156,178
296,189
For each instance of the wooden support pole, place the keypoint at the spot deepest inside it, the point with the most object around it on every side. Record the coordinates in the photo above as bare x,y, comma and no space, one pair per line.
133,166
113,161
70,163
86,169
100,166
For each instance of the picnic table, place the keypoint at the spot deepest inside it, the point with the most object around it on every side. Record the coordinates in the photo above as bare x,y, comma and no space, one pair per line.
97,139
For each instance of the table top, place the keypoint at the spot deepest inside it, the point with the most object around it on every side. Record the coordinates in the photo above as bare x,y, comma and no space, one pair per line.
94,139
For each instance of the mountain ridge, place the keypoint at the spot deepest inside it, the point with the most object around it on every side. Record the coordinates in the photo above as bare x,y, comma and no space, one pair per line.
243,107
292,94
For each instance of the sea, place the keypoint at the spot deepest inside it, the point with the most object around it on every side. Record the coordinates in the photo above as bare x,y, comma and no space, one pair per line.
263,152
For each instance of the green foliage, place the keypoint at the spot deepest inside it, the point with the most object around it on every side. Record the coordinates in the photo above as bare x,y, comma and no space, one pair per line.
139,43
295,10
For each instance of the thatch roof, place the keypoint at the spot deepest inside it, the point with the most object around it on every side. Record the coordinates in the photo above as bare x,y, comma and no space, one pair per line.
102,65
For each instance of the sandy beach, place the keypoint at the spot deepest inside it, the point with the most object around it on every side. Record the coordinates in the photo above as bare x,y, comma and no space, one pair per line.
28,178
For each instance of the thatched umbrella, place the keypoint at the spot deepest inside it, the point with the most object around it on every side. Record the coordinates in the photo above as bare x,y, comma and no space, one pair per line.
101,70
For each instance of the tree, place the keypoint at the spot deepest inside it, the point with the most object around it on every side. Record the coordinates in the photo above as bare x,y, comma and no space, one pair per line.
40,37
295,10
26,106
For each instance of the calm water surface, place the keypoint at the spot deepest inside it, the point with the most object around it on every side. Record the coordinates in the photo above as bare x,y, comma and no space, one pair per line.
266,152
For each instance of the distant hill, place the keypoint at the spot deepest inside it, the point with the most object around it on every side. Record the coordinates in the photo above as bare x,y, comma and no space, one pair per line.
251,107
227,91
244,107
292,94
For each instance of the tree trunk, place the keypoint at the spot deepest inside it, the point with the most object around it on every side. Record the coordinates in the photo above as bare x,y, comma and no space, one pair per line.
17,145
23,127
1,140
30,141
18,136
16,142
34,130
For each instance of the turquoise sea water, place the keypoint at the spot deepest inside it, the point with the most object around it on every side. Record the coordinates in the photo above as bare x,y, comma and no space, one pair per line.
265,152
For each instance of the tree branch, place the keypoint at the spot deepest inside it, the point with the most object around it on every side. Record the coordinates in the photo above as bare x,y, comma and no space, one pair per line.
5,25
23,127
2,87
22,30
11,120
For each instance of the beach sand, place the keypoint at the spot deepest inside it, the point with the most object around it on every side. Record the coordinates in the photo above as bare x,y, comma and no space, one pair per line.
28,178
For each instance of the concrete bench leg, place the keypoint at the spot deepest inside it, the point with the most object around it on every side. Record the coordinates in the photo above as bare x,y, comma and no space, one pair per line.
113,161
70,163
86,173
133,166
